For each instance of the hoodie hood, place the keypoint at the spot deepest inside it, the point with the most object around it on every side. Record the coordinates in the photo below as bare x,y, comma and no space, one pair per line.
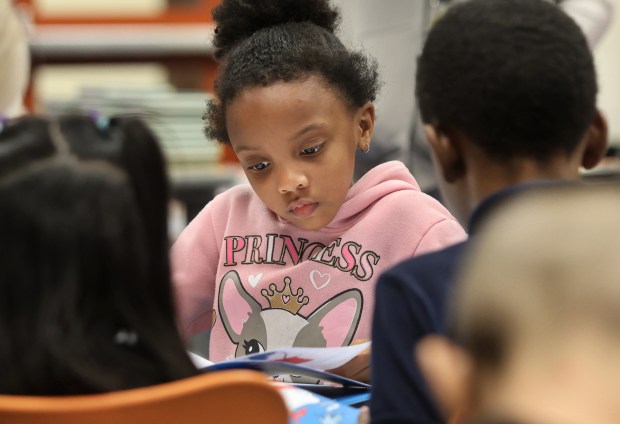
381,181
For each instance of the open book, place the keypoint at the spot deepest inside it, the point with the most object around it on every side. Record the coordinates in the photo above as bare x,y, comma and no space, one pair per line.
328,398
301,364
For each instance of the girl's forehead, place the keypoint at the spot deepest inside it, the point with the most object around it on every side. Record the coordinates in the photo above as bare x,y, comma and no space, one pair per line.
304,87
285,111
285,102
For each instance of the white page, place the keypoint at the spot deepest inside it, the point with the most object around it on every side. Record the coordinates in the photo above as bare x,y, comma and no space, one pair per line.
318,358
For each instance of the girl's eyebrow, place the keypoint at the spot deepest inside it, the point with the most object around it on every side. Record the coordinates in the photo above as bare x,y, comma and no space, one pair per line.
307,129
304,130
243,148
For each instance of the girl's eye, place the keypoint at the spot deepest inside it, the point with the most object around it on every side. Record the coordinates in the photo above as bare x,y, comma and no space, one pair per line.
261,166
311,150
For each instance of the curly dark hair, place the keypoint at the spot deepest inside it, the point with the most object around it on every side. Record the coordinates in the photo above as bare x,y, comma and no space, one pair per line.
515,76
262,42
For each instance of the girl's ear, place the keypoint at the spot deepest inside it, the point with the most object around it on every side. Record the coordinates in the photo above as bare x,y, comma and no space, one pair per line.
448,371
446,153
596,141
365,121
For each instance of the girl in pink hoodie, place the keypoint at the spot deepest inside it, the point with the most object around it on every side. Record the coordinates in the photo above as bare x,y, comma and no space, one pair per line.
292,259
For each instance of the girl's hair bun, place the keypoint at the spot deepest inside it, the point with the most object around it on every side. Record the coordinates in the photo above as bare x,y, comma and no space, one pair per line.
239,19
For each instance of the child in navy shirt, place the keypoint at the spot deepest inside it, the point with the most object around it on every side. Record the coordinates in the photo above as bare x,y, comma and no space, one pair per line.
507,92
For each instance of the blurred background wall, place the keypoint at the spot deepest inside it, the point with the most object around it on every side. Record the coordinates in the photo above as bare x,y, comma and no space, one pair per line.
153,57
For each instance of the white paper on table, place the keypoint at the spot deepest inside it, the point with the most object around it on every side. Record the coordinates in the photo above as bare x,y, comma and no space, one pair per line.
318,358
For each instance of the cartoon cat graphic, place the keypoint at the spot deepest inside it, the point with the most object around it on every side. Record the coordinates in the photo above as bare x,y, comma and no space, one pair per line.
254,329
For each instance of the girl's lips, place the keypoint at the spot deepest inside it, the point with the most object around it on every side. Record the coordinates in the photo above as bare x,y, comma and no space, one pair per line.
303,209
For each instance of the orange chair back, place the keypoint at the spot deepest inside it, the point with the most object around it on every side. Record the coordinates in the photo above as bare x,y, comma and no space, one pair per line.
239,396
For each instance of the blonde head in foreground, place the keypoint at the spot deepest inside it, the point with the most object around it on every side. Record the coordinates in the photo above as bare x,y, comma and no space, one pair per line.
536,314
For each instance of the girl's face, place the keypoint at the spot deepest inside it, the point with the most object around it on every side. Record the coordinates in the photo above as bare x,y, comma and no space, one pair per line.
296,142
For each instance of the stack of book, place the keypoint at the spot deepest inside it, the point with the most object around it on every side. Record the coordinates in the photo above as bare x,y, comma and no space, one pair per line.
175,117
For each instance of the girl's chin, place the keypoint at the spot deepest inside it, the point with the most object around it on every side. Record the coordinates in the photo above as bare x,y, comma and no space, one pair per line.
310,224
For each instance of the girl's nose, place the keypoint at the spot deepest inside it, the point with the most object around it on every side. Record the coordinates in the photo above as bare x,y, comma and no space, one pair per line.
291,180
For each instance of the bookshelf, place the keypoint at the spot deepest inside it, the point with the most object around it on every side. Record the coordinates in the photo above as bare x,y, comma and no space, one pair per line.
151,54
178,37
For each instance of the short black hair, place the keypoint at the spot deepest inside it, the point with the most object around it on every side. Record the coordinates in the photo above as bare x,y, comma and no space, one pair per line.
264,42
515,76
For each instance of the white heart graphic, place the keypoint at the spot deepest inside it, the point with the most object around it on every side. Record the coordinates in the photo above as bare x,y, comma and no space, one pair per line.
254,279
319,280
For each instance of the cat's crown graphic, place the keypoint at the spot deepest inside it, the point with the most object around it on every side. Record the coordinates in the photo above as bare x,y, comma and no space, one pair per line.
285,299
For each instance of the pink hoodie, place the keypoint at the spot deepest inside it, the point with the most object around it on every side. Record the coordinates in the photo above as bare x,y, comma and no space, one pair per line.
262,283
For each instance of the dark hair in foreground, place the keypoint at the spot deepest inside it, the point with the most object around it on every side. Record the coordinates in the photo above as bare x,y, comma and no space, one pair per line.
129,144
516,76
80,311
261,43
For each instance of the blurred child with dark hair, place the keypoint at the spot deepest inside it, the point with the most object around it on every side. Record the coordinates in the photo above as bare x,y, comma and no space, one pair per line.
81,309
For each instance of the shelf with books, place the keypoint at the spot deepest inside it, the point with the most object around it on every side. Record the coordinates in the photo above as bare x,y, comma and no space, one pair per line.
146,57
172,32
44,12
62,42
